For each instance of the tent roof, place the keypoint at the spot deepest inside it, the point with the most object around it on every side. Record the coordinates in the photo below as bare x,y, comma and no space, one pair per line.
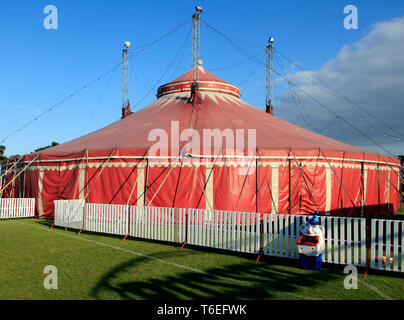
220,108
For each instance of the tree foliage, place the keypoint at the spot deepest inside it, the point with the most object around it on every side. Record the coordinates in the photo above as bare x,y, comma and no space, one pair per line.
2,156
3,148
46,147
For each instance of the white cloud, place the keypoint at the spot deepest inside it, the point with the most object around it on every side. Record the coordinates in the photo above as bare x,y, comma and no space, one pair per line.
369,72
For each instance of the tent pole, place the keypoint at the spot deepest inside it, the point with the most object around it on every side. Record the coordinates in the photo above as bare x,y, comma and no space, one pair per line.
96,178
390,183
11,168
146,186
227,175
363,188
397,173
202,187
304,179
133,189
158,189
146,182
207,180
24,187
77,185
86,184
126,180
269,188
15,177
378,191
398,191
134,185
290,186
340,182
256,183
363,184
242,188
178,182
1,175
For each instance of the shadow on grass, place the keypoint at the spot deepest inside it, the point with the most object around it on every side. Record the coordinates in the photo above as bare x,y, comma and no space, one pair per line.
244,280
44,222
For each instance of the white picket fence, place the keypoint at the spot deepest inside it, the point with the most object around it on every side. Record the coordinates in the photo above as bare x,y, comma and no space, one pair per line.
17,208
236,231
271,234
106,218
69,213
164,224
345,238
386,247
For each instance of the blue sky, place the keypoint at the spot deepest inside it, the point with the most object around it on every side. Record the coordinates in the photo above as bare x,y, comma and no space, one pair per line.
40,67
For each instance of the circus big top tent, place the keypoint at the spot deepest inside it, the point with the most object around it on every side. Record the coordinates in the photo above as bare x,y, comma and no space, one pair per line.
144,159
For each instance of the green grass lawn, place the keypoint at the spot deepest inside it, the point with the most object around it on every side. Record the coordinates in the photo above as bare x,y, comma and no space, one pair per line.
92,266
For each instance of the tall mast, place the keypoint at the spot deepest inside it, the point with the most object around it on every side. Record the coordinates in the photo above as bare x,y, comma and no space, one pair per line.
268,101
125,80
195,47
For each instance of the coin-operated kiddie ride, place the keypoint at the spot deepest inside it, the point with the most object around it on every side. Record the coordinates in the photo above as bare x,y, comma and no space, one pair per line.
311,244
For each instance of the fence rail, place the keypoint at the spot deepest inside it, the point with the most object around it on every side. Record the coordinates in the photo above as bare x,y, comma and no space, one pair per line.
17,208
106,218
345,238
234,231
386,247
69,213
164,224
269,234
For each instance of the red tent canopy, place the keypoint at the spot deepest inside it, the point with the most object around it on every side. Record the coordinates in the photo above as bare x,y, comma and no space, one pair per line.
207,148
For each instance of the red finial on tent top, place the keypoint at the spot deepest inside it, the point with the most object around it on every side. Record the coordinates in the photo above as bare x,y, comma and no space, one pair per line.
269,109
126,111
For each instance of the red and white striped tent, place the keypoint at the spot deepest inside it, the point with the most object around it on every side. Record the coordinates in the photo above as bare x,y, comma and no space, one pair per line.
292,170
